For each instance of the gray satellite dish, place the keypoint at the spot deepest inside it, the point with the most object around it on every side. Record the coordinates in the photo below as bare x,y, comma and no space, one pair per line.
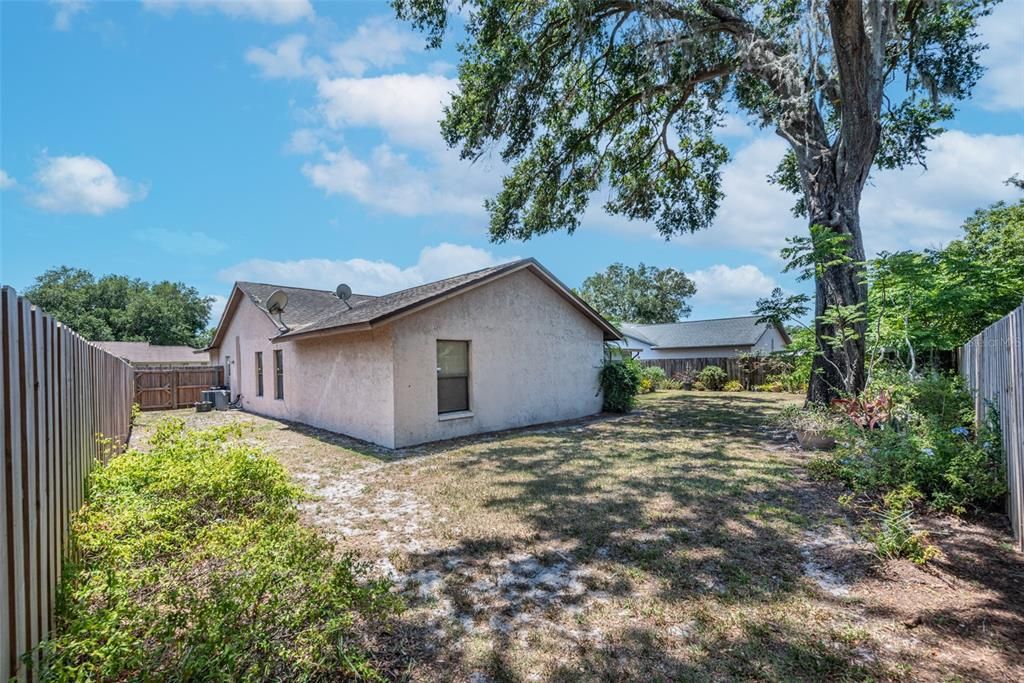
343,292
277,301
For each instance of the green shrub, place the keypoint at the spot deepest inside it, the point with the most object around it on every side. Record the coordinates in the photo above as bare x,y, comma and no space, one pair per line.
620,381
895,536
713,378
930,444
193,565
698,385
733,385
652,377
789,381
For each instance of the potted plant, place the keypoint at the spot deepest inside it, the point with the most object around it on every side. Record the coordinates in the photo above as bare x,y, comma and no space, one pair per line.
814,426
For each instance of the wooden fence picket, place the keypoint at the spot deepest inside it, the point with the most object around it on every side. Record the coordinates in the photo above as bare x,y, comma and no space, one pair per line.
992,364
59,393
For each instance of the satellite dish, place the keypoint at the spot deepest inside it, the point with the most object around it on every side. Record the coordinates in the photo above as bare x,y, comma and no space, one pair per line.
343,292
277,301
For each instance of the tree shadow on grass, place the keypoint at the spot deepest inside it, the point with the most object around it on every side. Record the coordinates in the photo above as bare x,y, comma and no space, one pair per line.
636,531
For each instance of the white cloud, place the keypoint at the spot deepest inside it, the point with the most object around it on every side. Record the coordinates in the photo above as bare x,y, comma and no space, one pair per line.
406,107
1000,87
66,11
754,214
193,243
6,181
284,61
389,181
736,125
379,42
364,276
917,208
266,11
82,184
216,308
303,141
911,208
731,289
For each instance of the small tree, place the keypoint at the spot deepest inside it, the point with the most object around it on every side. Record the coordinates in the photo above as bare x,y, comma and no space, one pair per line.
643,295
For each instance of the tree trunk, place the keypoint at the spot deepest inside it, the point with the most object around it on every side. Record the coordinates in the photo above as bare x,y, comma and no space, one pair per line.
836,371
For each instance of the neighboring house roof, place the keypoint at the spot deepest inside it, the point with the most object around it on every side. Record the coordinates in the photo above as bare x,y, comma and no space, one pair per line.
140,353
744,331
315,312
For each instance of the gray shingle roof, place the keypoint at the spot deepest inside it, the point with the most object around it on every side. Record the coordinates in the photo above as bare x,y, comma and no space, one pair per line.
742,331
304,305
312,310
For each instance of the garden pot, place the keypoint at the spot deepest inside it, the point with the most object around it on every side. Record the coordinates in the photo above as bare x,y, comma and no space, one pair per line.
811,440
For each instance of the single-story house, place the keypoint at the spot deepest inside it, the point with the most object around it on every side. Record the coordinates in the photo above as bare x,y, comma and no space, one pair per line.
146,355
718,338
503,347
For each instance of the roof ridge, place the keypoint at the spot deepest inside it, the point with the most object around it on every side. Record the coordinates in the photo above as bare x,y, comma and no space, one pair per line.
397,291
683,322
271,284
328,313
458,275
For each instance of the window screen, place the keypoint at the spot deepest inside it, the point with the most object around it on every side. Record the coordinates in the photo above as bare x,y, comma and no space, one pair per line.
278,374
259,373
452,376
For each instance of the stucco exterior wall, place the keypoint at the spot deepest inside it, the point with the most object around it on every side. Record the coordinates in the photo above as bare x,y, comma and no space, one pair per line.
770,341
533,358
344,383
341,383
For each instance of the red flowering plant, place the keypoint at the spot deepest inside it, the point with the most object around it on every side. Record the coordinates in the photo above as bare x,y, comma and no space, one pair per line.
867,413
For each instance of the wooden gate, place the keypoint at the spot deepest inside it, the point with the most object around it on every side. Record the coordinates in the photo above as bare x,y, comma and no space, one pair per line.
169,388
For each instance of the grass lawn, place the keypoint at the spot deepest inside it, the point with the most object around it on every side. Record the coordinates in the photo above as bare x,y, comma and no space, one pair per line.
682,542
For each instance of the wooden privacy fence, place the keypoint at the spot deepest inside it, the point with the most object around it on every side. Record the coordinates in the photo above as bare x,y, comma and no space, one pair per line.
732,367
992,363
167,388
59,392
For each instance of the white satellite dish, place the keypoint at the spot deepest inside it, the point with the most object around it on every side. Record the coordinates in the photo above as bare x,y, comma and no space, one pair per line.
277,301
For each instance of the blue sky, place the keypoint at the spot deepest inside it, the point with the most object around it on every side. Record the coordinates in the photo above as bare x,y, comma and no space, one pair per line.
296,142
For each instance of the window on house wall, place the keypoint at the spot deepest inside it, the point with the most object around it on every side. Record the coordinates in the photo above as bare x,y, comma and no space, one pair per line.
259,373
227,368
278,374
452,376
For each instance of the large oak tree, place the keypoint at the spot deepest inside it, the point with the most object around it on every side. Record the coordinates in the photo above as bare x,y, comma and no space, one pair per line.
119,308
646,295
625,97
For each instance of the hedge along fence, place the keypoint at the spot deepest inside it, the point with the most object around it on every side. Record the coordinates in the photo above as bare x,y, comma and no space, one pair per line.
59,393
992,363
732,366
